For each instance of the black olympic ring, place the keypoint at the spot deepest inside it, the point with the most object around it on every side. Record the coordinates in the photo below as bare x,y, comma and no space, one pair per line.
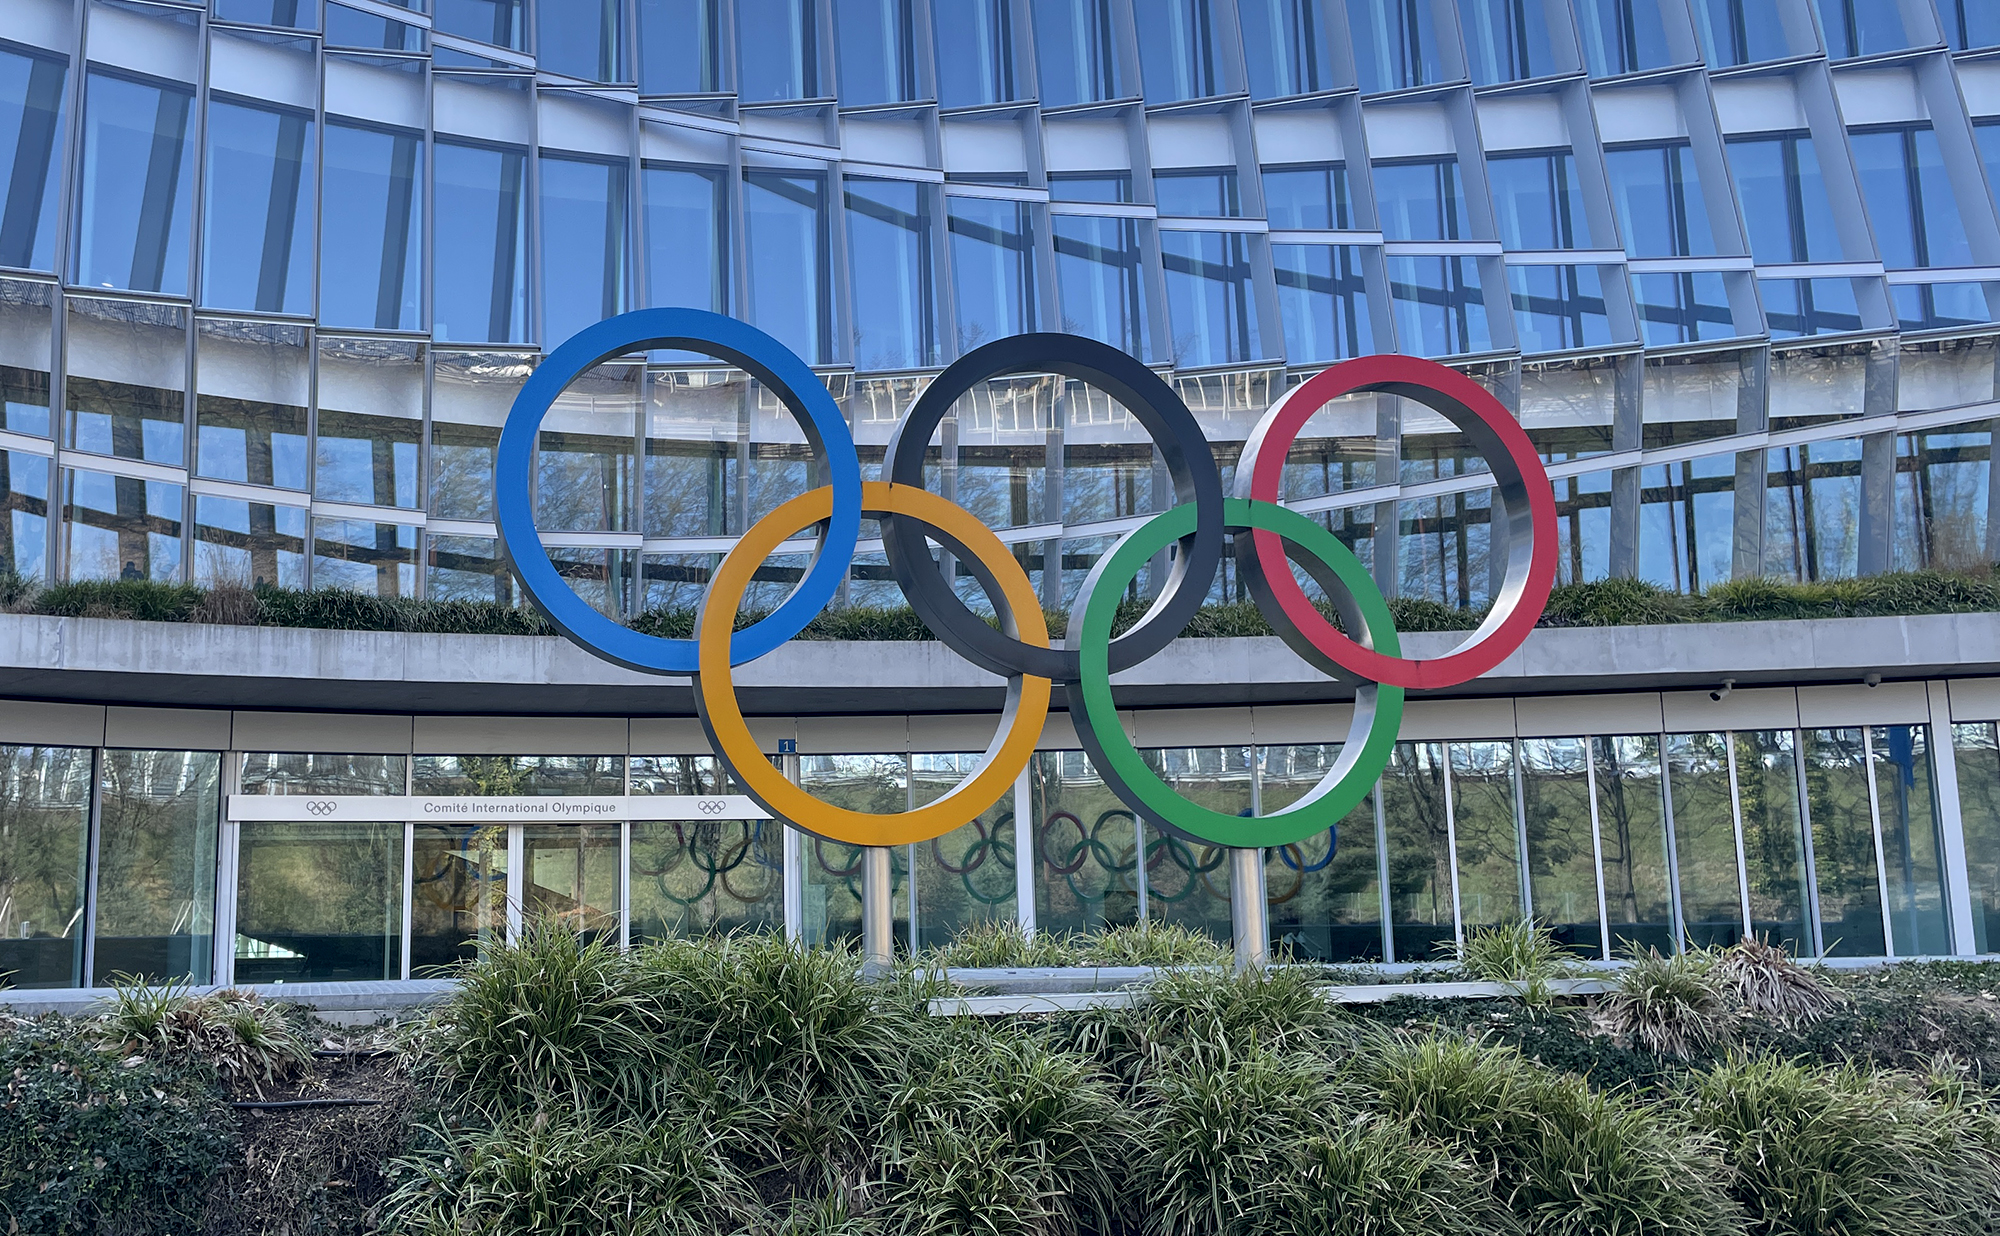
1181,444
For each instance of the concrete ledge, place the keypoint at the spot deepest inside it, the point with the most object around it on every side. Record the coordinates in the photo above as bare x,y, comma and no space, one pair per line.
1366,993
200,665
346,1004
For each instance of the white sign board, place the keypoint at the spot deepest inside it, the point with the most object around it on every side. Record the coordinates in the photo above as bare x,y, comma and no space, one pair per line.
556,809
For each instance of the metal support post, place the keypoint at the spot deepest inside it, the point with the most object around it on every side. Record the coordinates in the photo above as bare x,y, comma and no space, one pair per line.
1249,919
878,931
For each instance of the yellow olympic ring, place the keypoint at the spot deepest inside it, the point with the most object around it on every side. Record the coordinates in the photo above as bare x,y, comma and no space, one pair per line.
1027,705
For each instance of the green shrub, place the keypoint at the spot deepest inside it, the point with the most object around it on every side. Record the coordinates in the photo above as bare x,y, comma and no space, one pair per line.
1367,1176
1001,943
247,1041
1671,1004
1153,944
1568,1161
93,1141
1834,1152
1524,953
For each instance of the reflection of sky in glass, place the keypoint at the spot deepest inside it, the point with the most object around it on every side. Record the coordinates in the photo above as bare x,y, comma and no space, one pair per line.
138,173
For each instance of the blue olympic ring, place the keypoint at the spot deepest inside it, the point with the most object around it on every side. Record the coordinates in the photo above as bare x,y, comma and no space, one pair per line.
1332,847
738,344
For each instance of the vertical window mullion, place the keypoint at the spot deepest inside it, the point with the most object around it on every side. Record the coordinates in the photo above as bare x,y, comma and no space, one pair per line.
1875,830
1736,823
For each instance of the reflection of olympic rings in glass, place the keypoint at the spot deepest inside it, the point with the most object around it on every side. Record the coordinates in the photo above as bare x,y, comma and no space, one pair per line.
709,855
1271,544
1292,855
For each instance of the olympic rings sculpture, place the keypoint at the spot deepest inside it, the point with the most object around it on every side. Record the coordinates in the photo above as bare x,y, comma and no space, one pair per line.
1272,544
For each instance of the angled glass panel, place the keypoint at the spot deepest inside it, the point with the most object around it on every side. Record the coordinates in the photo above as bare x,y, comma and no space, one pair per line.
1199,193
374,559
1076,52
1969,24
24,515
1657,192
1101,283
290,14
1287,46
877,42
1583,526
467,568
583,244
1323,299
687,236
1942,490
1177,52
1506,40
44,847
1632,826
1785,206
346,27
1740,31
119,527
1440,308
1845,875
1538,202
1795,307
127,382
680,47
1812,511
1395,44
1940,306
31,131
584,453
137,186
1558,308
27,328
258,213
1682,308
479,288
1090,186
1311,198
248,544
777,50
1211,300
978,57
1862,27
155,903
251,383
1421,200
993,268
1686,522
1910,200
785,241
371,237
1621,36
1704,831
490,21
471,393
889,237
371,412
581,38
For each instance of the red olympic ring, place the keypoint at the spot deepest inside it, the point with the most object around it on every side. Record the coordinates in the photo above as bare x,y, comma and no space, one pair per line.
1529,576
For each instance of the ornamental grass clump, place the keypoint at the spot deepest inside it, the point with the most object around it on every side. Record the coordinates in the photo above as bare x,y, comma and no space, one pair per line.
1566,1160
1210,1015
1823,1151
248,1042
1524,954
1762,979
1153,944
1003,944
1670,1004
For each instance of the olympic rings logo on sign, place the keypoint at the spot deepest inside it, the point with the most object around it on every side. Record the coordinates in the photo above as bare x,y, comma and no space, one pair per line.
321,807
1269,541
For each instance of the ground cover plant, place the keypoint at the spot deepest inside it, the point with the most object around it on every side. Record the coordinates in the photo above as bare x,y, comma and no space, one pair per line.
747,1085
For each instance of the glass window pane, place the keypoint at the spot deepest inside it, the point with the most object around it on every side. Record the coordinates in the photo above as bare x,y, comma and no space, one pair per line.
1506,40
876,42
1177,51
1978,754
1861,27
471,393
1286,46
480,285
26,332
1562,854
347,27
1086,848
1187,883
785,239
378,560
1740,31
1796,307
251,381
1197,194
584,453
467,568
580,38
1939,306
1682,308
1687,522
248,544
1101,283
1090,186
155,900
1773,841
1621,36
603,578
1557,308
1661,211
698,878
889,231
1812,511
490,21
993,268
1307,198
873,783
976,52
1324,892
680,46
583,237
1912,849
1969,24
44,839
687,218
777,50
1946,241
1440,309
371,408
1421,888
137,186
289,772
1942,490
968,876
1489,862
31,128
1785,207
1704,829
1211,302
532,775
1395,44
120,527
1538,201
319,903
569,874
291,14
1323,299
371,234
1420,201
127,379
1845,875
24,528
1632,823
1583,527
458,895
1076,52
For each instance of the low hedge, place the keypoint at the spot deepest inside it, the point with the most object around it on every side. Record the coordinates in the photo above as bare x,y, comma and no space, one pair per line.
1603,603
